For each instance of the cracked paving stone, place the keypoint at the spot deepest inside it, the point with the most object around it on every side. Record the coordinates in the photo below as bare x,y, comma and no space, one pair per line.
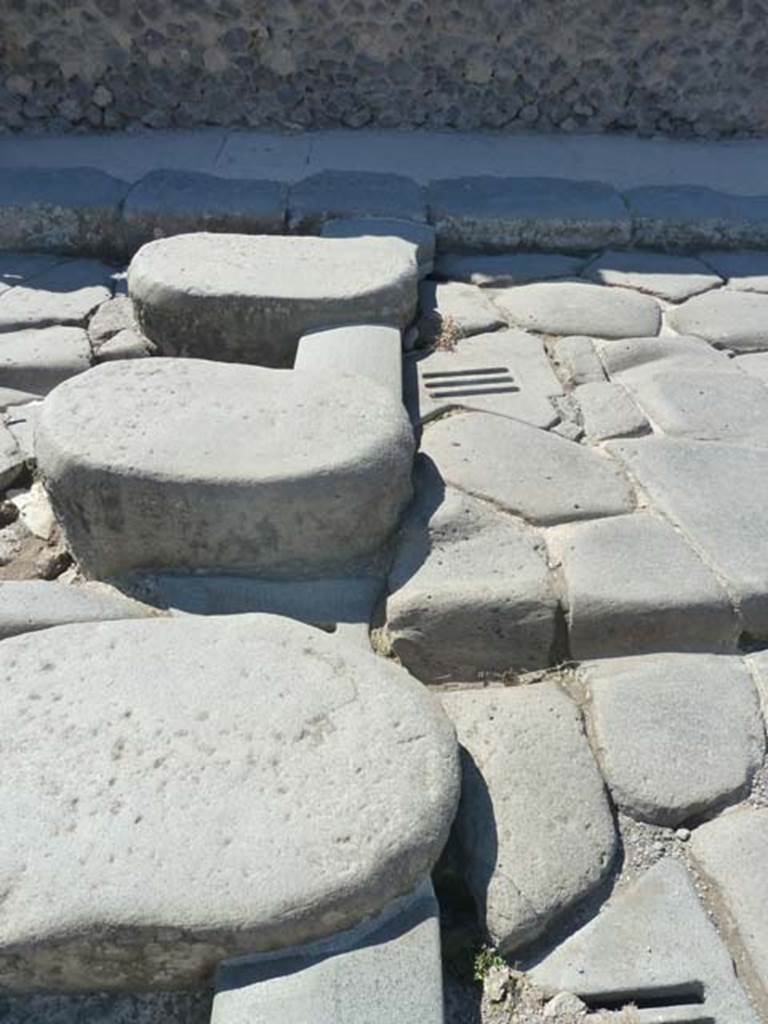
608,411
669,277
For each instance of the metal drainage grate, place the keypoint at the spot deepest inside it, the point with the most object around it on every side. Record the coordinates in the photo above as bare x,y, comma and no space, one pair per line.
489,380
678,1005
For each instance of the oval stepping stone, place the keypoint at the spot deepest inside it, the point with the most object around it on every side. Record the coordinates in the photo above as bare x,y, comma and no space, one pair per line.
175,792
727,319
568,307
249,298
182,463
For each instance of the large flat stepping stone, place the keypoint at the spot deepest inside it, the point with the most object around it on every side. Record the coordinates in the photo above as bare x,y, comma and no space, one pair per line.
538,476
733,852
420,236
470,594
502,270
174,463
314,782
633,953
534,824
676,735
64,294
633,585
37,360
669,277
571,307
332,194
686,217
746,270
367,350
29,605
249,298
728,319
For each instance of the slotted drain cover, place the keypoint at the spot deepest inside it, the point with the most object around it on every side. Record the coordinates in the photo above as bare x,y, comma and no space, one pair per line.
486,380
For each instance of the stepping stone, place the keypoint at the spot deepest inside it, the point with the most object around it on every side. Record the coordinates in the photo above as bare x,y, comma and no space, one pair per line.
669,277
66,210
608,411
632,953
382,972
285,472
745,271
685,217
470,593
486,213
506,269
422,236
578,359
733,852
29,605
243,298
65,294
17,267
727,319
570,307
11,457
169,202
538,476
333,194
366,350
453,310
534,825
227,735
715,494
506,372
676,735
37,360
634,585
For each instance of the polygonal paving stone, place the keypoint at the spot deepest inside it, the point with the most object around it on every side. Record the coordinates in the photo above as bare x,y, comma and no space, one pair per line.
249,298
182,463
539,476
676,735
745,271
570,307
534,824
422,236
110,318
453,310
64,294
634,585
727,319
505,269
11,457
608,411
314,782
670,277
333,194
637,360
29,605
38,360
470,594
685,217
367,350
578,360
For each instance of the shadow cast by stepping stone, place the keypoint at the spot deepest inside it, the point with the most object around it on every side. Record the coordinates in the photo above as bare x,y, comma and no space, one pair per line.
108,1008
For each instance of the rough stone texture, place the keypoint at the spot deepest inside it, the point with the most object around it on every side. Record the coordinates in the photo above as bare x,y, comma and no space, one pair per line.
608,411
733,852
669,277
64,294
633,585
727,319
755,364
10,397
534,824
197,734
578,359
175,202
470,595
110,318
504,270
650,940
685,217
38,360
452,310
635,361
278,471
745,270
422,236
248,298
11,457
365,350
758,664
73,210
488,214
124,345
564,307
536,475
29,605
676,735
109,1008
331,194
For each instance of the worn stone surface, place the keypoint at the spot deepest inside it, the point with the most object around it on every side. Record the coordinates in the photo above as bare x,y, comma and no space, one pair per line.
250,298
486,213
127,344
755,364
686,217
422,236
501,270
539,476
578,359
11,457
29,605
451,310
745,270
569,307
276,471
110,318
365,350
65,294
10,397
37,360
676,735
172,723
109,1008
669,277
333,194
608,411
635,361
534,824
470,595
727,319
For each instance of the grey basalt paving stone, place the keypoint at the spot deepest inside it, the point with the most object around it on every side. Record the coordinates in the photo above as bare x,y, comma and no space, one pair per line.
500,270
651,943
534,474
422,236
669,277
727,319
168,202
453,310
272,471
372,351
498,214
676,735
745,270
633,585
249,298
690,217
733,852
470,590
534,825
755,364
112,316
608,411
578,359
126,344
332,194
155,737
66,210
634,361
11,457
577,307
29,605
504,372
37,360
64,294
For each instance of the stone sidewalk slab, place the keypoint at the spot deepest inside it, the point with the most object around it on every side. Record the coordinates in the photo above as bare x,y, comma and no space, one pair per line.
37,360
728,319
331,194
569,307
64,294
688,217
668,277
